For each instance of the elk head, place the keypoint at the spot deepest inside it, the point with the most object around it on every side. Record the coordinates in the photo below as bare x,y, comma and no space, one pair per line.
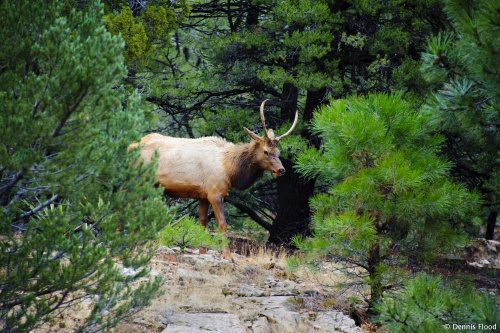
266,146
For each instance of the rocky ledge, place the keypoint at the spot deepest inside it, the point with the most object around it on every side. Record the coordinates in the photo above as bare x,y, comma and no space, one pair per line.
206,293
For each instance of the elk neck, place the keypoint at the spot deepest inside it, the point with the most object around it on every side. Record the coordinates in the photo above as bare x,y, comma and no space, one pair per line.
242,166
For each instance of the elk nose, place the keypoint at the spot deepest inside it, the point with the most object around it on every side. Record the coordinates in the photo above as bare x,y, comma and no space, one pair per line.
281,172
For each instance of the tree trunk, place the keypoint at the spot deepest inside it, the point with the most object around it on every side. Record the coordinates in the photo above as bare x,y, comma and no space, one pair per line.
374,260
315,98
293,216
490,226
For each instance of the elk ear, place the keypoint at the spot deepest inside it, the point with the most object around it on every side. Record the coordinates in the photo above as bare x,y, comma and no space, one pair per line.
252,134
270,135
270,139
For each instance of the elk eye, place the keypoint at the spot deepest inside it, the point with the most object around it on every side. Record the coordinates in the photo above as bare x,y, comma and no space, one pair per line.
266,152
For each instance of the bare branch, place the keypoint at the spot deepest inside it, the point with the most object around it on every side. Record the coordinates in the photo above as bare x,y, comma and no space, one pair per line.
250,212
37,208
13,182
68,114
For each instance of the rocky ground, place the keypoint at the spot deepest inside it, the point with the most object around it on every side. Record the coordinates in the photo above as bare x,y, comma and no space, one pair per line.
205,293
255,293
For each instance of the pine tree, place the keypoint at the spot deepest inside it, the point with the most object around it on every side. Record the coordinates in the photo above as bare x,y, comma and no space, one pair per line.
297,54
146,28
432,304
388,197
465,66
75,209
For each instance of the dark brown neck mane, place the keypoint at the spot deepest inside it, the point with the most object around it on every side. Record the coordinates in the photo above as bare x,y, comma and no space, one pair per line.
242,166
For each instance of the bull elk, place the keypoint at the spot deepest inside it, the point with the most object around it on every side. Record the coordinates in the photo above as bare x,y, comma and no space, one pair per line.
206,168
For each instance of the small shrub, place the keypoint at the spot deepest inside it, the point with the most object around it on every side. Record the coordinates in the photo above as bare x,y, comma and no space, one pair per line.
186,232
430,304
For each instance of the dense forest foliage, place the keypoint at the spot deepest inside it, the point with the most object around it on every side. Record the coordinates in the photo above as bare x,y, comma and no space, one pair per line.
395,160
74,207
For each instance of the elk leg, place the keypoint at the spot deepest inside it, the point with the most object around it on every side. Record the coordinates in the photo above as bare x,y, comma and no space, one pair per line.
218,206
203,211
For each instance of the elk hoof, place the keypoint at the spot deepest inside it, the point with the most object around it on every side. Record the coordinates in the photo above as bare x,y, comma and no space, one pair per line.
226,254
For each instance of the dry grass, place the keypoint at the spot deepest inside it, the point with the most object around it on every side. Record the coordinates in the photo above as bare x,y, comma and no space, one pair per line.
198,283
206,287
195,288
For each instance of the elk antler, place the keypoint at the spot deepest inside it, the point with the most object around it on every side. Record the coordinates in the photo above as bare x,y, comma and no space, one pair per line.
262,117
264,123
291,129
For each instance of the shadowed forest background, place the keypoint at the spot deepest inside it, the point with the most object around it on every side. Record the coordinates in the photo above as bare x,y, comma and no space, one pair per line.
393,168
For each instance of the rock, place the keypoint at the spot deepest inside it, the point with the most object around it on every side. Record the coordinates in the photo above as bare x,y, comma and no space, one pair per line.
207,259
276,315
335,322
204,309
186,274
266,303
203,322
261,325
481,252
206,293
129,271
272,282
166,249
245,290
277,312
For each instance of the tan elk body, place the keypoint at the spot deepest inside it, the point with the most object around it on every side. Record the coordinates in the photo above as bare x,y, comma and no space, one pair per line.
206,168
